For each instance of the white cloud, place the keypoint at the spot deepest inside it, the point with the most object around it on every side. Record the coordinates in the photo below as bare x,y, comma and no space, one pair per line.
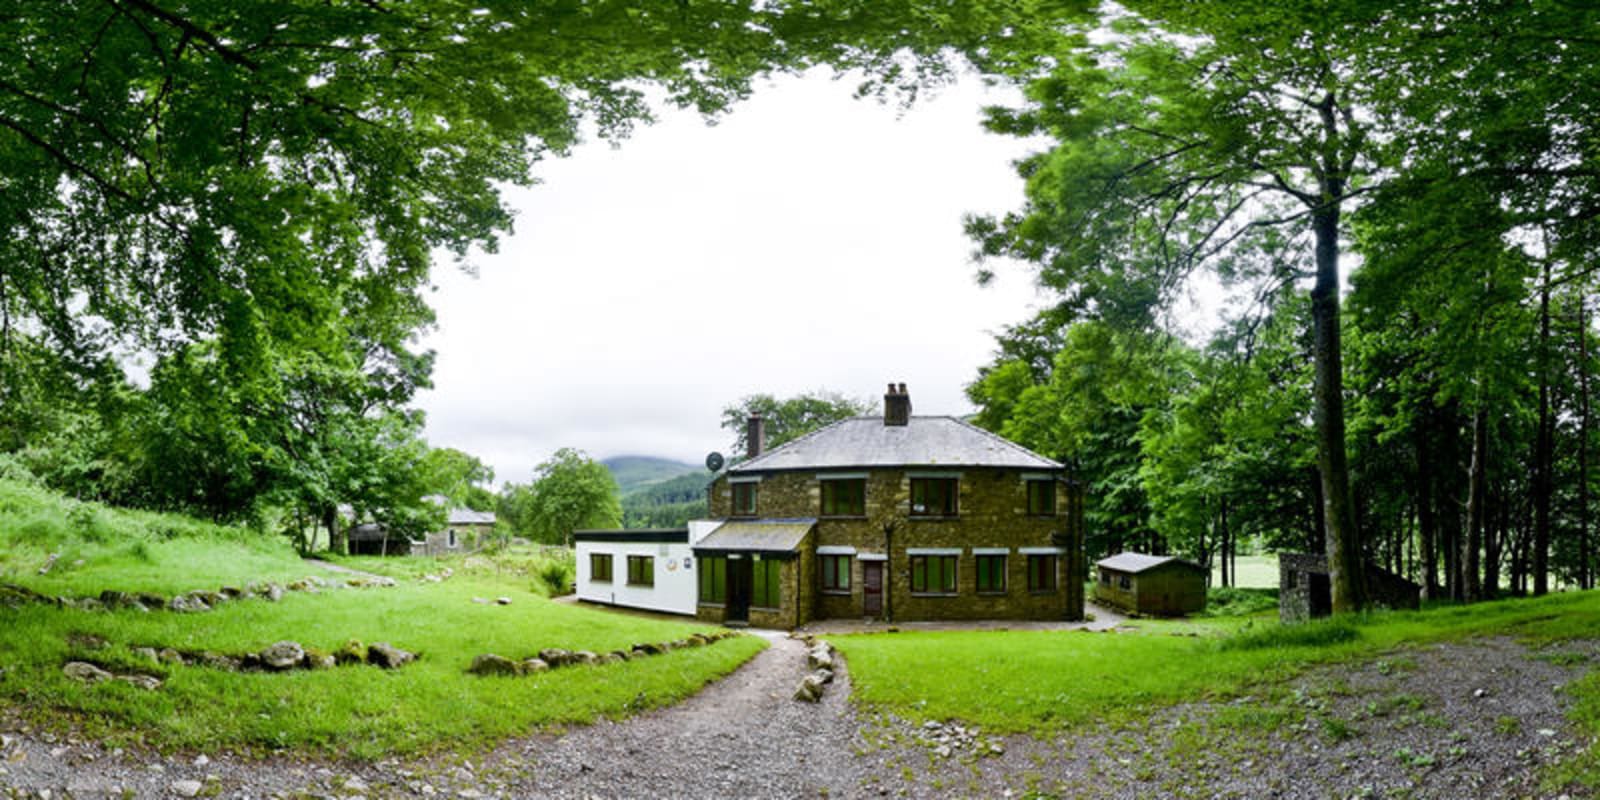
808,240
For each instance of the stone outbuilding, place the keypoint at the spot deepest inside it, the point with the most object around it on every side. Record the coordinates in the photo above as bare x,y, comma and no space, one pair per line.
1163,586
1305,592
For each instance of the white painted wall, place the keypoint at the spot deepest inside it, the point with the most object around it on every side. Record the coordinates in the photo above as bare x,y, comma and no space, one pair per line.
675,590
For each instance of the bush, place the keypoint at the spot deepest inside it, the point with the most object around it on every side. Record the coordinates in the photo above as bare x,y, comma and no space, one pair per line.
557,575
1321,633
1232,601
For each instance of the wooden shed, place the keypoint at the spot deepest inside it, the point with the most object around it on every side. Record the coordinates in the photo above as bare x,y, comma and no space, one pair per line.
1156,585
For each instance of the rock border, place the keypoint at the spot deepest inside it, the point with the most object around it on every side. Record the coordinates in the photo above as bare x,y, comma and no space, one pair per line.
555,657
819,659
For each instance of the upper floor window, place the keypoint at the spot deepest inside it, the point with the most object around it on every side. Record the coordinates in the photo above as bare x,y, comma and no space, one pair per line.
933,497
1041,497
844,497
744,499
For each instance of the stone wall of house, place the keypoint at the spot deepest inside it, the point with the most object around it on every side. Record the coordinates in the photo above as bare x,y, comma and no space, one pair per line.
992,512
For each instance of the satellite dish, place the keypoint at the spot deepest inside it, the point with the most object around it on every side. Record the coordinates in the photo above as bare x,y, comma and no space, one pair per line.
714,461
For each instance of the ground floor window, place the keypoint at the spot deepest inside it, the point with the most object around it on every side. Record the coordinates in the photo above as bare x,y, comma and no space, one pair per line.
836,574
933,574
991,574
600,567
1105,577
1124,582
713,579
1041,573
641,570
765,592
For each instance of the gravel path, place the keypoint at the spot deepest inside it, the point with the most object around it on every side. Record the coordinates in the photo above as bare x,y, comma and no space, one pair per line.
1471,719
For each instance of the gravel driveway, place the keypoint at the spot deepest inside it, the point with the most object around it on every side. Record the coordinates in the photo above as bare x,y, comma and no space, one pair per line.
1471,719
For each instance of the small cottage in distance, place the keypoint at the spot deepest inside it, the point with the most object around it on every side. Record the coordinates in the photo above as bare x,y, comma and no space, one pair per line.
1163,586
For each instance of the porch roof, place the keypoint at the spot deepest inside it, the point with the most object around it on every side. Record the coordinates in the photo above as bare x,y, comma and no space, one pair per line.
759,535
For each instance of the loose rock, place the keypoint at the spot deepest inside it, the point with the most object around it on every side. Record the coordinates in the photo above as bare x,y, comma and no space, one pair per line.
283,655
491,664
85,672
383,654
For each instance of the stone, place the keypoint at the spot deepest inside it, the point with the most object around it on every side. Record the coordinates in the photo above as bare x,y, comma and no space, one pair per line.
810,689
48,563
648,648
491,664
555,656
997,749
282,655
86,641
621,655
532,665
824,675
85,672
273,593
148,683
820,657
231,592
186,788
387,656
152,601
217,661
355,784
585,657
351,652
115,599
482,601
942,751
187,604
502,601
169,656
147,653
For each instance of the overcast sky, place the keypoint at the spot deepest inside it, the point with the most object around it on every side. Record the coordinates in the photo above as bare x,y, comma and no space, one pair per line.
807,241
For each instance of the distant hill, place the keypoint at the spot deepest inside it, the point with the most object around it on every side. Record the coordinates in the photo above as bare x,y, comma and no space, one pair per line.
659,492
635,472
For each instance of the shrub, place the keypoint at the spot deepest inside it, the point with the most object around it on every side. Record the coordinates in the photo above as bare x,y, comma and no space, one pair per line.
1230,601
1321,633
557,575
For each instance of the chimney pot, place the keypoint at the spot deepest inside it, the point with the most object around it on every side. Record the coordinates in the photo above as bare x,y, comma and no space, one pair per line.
755,435
897,406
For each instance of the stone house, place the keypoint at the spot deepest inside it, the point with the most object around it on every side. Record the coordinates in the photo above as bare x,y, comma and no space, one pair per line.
1156,585
892,518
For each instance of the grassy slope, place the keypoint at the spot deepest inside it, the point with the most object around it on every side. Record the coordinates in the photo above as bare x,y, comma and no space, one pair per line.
362,711
128,550
1035,681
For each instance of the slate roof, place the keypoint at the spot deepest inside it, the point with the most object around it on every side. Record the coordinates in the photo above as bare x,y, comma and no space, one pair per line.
924,442
1139,562
762,535
466,516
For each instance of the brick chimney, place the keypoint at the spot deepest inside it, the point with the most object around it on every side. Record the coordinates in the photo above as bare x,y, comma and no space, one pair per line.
755,435
897,405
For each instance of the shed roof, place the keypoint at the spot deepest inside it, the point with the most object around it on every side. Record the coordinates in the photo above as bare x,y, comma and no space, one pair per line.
1140,562
761,535
466,516
922,442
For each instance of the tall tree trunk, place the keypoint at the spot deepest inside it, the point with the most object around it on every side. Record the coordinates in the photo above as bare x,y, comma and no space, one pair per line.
1427,522
1585,560
1343,542
1493,536
330,519
1470,586
1228,578
1448,473
1543,460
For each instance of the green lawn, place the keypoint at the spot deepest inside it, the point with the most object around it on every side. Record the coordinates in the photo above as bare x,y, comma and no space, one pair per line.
357,710
1040,680
1255,572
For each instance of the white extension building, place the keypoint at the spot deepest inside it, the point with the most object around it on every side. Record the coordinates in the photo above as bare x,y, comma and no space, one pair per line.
652,569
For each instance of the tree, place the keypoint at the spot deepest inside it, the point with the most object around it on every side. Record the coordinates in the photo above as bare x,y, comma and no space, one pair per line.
570,491
1207,135
791,417
458,476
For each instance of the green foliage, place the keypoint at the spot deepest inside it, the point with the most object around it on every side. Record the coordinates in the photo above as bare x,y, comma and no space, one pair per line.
558,575
569,492
666,504
460,478
789,418
1229,601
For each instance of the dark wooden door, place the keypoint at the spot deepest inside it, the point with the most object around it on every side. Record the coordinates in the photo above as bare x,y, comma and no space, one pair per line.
739,582
872,588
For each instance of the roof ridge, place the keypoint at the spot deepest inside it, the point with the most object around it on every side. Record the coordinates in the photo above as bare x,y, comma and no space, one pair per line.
1003,440
792,442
